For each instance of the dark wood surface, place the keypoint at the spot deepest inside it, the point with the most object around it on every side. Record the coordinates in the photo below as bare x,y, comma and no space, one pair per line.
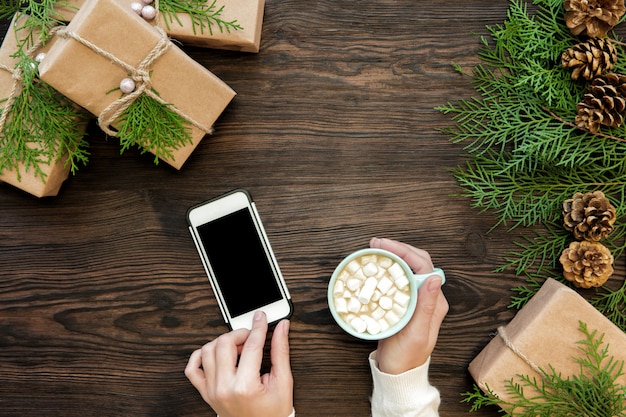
334,132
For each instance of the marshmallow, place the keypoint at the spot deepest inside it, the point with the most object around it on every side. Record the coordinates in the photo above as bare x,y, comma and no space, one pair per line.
399,310
353,284
341,305
383,325
376,296
343,276
401,298
370,269
378,313
367,291
402,282
385,262
372,325
353,266
358,324
391,318
396,271
353,305
339,288
384,285
385,303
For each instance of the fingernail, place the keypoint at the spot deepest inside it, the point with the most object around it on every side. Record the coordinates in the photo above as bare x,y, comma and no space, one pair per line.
434,284
286,326
375,242
258,315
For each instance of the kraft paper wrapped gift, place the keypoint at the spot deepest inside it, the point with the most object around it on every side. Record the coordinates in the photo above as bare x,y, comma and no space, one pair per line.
544,332
26,179
247,13
84,65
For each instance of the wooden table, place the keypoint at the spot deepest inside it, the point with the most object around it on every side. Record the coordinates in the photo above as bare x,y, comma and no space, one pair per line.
334,132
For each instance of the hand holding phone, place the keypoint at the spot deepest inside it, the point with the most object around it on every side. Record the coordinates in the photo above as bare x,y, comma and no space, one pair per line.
238,259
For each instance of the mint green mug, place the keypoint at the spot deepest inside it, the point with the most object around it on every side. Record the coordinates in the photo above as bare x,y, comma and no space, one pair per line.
372,294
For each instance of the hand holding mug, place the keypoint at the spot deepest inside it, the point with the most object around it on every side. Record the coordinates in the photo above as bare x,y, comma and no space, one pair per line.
412,345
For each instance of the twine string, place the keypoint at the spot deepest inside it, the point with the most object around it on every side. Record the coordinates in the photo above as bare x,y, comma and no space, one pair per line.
505,338
140,75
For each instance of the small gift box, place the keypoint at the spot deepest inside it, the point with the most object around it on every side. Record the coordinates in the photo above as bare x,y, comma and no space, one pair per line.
46,167
543,334
105,48
220,24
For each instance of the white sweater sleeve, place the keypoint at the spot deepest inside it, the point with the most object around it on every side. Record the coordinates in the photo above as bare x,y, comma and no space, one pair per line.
405,395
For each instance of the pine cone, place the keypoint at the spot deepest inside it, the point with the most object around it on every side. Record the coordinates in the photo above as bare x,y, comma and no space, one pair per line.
604,103
587,264
590,59
589,216
593,18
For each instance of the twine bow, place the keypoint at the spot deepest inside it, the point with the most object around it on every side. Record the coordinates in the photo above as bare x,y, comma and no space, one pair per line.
140,75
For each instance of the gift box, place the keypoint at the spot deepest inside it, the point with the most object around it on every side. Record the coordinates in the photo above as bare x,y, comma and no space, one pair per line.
248,15
544,333
48,179
104,42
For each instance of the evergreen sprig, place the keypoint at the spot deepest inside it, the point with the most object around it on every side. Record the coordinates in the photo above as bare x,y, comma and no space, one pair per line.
42,16
154,127
593,392
41,127
204,15
525,155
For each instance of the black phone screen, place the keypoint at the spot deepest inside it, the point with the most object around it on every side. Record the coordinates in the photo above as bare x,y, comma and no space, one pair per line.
239,262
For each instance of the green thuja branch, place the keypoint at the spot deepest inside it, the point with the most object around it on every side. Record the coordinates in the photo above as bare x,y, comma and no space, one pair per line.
204,15
42,16
525,154
41,127
593,392
154,127
613,305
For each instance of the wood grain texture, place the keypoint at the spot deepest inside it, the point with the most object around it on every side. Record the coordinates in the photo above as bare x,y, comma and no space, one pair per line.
334,132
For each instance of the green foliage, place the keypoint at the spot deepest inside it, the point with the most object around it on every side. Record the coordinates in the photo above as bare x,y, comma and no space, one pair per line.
42,17
525,155
152,126
41,127
594,392
203,15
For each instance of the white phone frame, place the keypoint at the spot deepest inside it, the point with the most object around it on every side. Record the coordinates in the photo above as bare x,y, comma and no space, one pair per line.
214,209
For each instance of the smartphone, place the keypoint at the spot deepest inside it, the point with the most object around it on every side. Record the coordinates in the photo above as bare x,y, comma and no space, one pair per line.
238,259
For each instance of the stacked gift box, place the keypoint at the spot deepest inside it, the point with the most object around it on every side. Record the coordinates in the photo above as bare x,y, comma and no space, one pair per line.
115,57
544,337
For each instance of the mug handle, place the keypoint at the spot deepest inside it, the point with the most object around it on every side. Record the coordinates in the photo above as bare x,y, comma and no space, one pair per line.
420,278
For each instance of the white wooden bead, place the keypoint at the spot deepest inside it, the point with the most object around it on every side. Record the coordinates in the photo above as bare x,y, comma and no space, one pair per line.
148,12
127,85
136,7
